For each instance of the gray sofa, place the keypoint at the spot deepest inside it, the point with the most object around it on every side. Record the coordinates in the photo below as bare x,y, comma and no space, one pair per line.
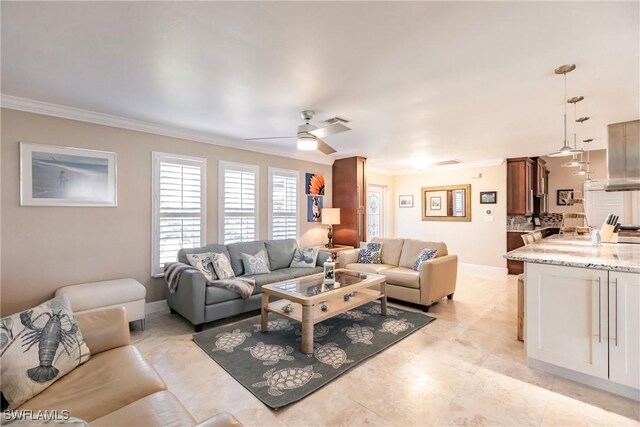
199,303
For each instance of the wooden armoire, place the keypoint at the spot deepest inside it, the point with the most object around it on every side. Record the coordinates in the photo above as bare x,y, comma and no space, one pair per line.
350,195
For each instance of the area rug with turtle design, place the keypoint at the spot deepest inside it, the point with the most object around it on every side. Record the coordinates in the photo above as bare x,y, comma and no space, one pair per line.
271,366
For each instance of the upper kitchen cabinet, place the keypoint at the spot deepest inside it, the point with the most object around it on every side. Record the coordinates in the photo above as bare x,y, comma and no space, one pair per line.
520,186
540,174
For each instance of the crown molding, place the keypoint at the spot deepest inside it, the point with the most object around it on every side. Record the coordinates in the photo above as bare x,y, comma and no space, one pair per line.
65,112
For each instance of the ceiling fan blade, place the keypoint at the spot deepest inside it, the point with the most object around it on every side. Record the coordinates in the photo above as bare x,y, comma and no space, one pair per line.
331,129
323,147
269,137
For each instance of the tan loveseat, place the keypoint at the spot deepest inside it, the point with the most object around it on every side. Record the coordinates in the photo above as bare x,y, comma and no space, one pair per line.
435,279
116,386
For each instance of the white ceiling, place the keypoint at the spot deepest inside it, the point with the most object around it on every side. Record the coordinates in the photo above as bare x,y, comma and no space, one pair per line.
431,81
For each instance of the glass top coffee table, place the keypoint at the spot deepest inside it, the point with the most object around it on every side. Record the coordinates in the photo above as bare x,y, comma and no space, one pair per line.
310,301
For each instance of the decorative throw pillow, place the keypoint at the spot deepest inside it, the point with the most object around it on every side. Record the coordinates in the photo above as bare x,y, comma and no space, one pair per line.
38,347
305,257
370,253
256,264
204,263
423,256
222,266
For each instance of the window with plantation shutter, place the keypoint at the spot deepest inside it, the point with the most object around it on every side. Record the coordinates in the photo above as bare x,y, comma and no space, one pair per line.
283,204
238,202
179,208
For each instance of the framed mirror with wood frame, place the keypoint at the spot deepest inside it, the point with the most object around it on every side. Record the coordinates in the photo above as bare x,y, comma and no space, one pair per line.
446,203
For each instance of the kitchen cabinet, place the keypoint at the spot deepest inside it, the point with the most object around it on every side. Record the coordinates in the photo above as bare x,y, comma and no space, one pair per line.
514,241
540,173
584,320
520,186
350,195
624,328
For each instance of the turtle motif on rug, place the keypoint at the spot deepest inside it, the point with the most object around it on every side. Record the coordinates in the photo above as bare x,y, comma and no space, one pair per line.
330,354
227,341
286,379
395,326
359,334
270,354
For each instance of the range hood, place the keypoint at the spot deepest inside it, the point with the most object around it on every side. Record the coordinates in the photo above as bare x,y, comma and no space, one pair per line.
623,157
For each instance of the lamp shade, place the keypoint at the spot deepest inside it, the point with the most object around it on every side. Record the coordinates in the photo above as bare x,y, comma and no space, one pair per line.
331,216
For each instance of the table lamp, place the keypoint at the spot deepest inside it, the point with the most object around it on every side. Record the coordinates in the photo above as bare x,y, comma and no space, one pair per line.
330,217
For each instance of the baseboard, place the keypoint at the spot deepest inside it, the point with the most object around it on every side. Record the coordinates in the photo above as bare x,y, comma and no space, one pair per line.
483,269
603,384
156,307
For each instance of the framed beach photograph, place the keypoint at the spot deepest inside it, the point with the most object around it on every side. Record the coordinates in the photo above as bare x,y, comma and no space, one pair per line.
53,175
405,201
488,197
563,195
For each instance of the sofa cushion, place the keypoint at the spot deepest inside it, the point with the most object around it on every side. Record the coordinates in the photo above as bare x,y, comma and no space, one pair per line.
219,249
391,249
204,263
265,279
280,252
305,257
368,268
403,276
214,295
412,248
106,383
424,256
296,272
157,409
237,249
370,253
39,347
256,264
222,266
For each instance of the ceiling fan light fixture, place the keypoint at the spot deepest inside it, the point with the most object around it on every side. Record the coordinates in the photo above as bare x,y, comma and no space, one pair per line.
307,142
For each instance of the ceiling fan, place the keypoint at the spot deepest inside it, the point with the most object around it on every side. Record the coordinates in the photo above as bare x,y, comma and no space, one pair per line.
309,136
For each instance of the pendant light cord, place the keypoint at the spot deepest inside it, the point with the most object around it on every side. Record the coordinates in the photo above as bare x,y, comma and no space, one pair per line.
565,110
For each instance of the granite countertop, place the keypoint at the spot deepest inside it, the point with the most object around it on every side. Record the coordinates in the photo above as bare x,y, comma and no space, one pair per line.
528,229
577,251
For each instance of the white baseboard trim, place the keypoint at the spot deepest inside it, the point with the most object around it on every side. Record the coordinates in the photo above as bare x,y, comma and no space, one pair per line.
156,307
601,383
483,269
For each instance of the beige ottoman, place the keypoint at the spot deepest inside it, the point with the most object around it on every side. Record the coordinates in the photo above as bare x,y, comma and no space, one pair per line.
127,293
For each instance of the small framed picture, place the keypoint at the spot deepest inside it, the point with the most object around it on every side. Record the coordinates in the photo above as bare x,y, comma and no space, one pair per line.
563,195
488,197
405,201
52,175
435,203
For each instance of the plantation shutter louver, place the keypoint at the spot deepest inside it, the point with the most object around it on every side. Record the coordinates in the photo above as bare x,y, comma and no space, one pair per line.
239,202
179,207
284,204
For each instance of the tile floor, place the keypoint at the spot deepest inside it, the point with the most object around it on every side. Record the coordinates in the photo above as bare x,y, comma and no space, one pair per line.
466,368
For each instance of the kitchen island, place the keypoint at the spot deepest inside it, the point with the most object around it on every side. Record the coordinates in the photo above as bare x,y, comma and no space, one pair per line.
582,311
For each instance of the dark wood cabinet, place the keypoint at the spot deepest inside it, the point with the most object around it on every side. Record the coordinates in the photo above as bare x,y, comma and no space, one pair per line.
520,186
350,195
540,174
541,203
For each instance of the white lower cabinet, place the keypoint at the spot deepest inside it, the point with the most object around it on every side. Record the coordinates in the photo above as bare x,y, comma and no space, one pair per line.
584,320
624,328
566,318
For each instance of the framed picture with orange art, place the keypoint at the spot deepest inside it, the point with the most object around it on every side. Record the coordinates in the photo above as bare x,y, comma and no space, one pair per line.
314,184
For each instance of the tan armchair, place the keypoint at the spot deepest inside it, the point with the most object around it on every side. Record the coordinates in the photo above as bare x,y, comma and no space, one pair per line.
435,279
116,386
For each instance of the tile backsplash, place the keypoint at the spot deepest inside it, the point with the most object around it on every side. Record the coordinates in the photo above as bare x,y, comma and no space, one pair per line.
546,220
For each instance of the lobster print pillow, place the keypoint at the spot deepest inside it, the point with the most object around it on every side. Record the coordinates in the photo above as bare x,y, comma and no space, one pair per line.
38,347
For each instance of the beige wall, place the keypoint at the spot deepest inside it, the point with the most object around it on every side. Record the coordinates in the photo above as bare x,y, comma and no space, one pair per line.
562,178
386,181
44,248
475,242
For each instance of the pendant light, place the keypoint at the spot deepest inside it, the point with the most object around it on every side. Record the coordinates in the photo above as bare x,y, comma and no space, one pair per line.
575,161
566,149
584,169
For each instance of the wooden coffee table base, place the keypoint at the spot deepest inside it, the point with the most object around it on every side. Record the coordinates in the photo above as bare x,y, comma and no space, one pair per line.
308,313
